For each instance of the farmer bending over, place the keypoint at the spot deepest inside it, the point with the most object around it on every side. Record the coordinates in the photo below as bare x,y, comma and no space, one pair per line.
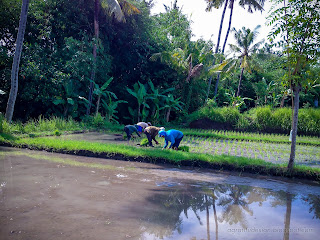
144,125
173,136
151,133
130,129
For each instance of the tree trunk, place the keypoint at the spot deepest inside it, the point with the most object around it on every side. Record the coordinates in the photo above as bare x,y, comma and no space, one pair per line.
229,27
224,44
296,90
94,53
168,114
208,217
16,61
238,92
189,93
218,43
98,105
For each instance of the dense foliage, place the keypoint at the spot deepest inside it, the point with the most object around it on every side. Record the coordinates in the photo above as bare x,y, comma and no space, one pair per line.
57,62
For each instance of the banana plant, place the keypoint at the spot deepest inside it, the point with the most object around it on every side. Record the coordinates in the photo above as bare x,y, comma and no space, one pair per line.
140,93
110,109
69,99
180,60
236,101
157,97
103,92
171,102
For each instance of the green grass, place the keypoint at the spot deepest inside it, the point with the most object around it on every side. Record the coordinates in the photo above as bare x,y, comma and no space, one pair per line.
155,155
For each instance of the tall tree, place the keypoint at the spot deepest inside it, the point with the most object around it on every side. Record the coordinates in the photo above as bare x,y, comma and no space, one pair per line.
210,5
297,23
251,4
118,11
245,47
16,61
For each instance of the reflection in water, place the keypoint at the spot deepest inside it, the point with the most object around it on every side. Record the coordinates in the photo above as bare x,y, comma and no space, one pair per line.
213,211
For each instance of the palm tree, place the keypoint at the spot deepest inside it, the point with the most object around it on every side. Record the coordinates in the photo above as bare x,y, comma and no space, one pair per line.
181,61
251,4
16,61
216,4
117,8
245,47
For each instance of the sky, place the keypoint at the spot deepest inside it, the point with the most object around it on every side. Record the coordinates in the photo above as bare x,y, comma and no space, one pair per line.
206,24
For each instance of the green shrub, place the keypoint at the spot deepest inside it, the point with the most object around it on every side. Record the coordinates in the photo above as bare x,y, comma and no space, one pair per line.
282,119
98,120
230,114
309,121
263,118
244,123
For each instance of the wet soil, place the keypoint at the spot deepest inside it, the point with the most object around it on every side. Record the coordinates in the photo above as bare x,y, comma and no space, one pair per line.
55,196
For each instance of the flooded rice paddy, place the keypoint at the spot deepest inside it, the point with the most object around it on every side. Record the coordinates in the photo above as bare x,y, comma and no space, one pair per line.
56,196
271,152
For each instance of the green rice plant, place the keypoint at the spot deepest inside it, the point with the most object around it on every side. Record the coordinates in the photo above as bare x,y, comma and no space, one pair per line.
57,133
144,142
184,148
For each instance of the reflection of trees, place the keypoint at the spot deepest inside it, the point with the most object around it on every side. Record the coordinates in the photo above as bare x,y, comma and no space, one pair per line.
287,217
171,205
234,203
314,202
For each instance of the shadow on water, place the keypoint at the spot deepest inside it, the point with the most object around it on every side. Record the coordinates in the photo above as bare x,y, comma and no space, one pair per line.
229,211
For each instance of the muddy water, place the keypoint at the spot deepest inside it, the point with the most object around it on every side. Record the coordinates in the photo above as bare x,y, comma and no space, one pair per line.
55,196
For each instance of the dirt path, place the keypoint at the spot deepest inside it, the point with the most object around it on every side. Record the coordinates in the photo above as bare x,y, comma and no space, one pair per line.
53,196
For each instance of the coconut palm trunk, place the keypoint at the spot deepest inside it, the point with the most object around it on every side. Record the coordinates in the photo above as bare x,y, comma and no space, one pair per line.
16,61
296,90
224,44
239,85
218,44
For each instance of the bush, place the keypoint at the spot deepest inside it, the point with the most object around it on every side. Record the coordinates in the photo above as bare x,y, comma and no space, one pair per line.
282,119
263,118
309,121
98,120
244,123
230,115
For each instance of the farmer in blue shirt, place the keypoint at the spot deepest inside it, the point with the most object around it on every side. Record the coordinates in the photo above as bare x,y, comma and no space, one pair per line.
130,129
173,136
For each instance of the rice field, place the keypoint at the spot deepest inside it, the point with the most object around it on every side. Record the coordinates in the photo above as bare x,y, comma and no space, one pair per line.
269,151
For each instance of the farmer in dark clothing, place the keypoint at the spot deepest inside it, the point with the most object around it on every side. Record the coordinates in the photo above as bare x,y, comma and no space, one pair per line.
151,133
130,129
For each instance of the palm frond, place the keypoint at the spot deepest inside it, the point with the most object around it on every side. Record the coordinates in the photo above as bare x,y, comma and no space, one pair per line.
114,7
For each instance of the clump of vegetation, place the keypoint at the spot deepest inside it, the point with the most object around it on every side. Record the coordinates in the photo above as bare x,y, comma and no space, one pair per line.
263,119
184,148
57,133
2,120
144,142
